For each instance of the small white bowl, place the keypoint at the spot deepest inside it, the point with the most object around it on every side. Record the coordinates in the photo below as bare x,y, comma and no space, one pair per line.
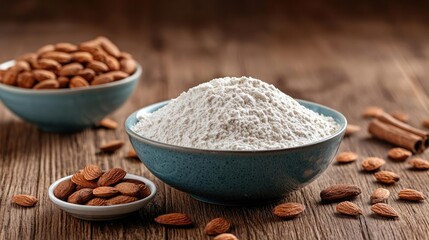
102,213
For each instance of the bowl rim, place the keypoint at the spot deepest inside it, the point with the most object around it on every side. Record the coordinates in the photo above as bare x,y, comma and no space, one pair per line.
133,77
131,133
79,207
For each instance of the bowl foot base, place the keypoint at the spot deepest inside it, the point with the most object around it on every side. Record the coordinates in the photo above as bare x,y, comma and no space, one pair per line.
236,203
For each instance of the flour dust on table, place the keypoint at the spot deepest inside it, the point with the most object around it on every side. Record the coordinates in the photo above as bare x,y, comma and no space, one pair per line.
235,114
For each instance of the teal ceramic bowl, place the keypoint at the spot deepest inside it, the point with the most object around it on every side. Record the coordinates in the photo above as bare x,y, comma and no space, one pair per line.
237,177
67,110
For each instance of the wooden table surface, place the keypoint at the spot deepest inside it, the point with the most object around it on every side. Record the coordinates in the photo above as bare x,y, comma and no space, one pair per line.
333,56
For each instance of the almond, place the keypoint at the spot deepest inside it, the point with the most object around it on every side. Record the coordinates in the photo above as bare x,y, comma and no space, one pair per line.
63,81
419,164
42,75
46,48
380,195
70,69
87,73
425,123
28,57
217,226
21,66
111,177
128,65
112,63
48,64
64,189
60,57
339,192
347,157
127,188
384,210
144,191
82,57
81,196
132,153
102,79
125,55
66,47
225,236
108,123
351,129
174,219
111,146
109,46
399,154
97,202
91,172
97,66
24,200
25,80
386,177
78,82
411,195
79,179
372,111
372,163
120,199
349,208
403,117
288,210
47,84
105,192
10,77
118,75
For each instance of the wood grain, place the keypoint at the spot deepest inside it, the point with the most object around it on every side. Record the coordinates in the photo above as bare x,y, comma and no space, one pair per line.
344,56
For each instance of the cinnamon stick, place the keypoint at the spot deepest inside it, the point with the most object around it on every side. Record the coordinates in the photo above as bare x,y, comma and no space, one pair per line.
396,135
387,118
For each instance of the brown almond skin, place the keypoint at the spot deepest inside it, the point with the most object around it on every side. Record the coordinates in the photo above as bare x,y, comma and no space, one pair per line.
419,164
79,179
118,75
371,164
87,73
144,190
108,123
111,177
174,219
127,188
70,69
46,48
339,192
109,46
351,129
132,153
112,63
10,77
102,79
349,208
98,66
47,84
125,55
81,196
120,199
128,65
425,123
97,202
24,200
380,195
82,57
92,172
386,177
63,81
105,192
42,75
60,57
48,64
111,146
225,236
78,82
384,210
347,157
399,154
217,226
66,47
21,66
25,80
288,210
411,195
64,189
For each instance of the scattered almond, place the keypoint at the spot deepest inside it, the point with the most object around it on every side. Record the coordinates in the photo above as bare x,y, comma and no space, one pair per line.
399,154
217,226
349,208
403,117
352,129
339,192
386,177
225,236
380,195
24,200
64,189
66,47
91,172
111,177
372,163
81,196
108,123
105,192
174,219
384,210
127,188
132,153
419,164
347,157
288,210
372,111
112,146
411,195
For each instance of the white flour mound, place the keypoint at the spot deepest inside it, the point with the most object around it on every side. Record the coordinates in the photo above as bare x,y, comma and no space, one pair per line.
235,114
